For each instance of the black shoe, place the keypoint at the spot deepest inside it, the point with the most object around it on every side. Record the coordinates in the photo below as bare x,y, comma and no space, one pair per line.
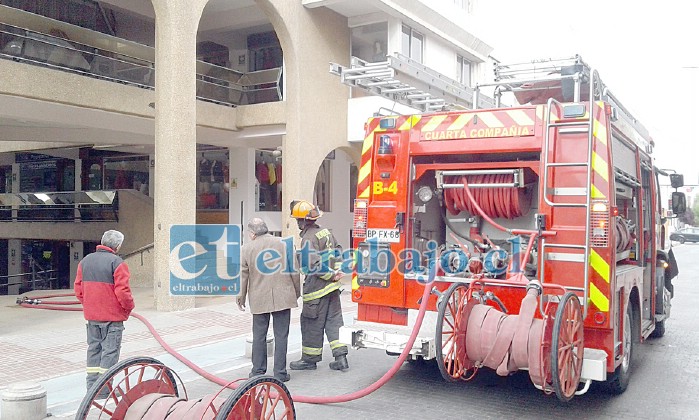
104,393
284,377
302,365
340,363
253,374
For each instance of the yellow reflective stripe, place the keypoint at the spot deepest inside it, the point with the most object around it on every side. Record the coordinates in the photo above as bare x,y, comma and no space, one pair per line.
365,193
596,193
599,131
410,122
490,120
93,370
600,266
369,139
460,122
327,276
598,298
314,351
335,344
322,292
600,166
364,172
355,283
520,117
433,123
322,233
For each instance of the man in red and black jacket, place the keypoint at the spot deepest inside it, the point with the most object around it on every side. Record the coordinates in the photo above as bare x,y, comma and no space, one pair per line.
102,286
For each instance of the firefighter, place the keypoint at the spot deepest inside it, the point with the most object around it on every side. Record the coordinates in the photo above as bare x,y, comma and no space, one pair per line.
321,295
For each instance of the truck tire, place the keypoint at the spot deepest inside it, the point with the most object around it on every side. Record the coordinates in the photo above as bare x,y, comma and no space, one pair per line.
619,381
681,239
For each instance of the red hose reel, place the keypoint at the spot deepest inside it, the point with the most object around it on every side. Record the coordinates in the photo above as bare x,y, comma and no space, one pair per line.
471,334
496,202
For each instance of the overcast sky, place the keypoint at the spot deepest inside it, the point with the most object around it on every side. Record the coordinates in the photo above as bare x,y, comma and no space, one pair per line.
640,49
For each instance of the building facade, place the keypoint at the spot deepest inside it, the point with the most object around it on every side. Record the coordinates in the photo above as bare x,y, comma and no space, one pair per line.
141,115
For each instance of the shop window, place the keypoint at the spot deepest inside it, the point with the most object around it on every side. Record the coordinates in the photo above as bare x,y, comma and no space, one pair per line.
213,180
5,179
268,172
47,175
412,43
126,173
321,194
369,42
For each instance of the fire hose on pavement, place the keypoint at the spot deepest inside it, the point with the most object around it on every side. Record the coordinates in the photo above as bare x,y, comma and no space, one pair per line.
39,302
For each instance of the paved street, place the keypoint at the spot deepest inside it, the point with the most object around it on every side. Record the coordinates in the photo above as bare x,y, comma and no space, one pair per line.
664,383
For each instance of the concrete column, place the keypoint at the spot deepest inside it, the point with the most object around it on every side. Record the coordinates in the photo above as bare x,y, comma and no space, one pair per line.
176,24
77,187
76,254
14,256
15,188
316,100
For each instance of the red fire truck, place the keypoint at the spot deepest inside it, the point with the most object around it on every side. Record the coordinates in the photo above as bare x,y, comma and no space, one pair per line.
544,221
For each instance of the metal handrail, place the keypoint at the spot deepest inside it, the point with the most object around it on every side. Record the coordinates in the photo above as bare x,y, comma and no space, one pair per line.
92,53
41,204
138,250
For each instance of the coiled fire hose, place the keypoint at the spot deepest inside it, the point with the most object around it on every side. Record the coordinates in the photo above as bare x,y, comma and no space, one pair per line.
39,303
497,202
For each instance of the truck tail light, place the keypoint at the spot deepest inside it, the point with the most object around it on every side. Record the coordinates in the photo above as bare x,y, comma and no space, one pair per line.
360,216
599,223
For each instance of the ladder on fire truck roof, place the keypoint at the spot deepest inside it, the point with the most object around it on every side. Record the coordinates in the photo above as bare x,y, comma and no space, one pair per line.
408,82
570,77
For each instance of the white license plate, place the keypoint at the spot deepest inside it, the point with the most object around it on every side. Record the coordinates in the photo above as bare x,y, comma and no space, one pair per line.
383,235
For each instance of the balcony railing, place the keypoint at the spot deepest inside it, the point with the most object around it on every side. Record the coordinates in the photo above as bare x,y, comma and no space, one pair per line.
86,206
42,41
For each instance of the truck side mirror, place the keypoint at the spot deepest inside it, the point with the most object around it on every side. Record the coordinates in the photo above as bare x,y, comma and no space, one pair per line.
677,180
679,203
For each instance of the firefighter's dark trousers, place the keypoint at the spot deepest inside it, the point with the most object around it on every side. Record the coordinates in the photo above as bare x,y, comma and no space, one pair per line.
318,316
103,347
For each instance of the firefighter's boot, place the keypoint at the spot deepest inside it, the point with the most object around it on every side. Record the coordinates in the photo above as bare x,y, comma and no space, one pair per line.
340,363
302,364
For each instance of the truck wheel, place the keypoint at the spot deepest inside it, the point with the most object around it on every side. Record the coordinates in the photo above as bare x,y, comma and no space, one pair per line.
620,379
681,239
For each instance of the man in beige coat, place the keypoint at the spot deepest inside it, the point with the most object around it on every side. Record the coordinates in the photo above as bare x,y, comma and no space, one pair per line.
272,286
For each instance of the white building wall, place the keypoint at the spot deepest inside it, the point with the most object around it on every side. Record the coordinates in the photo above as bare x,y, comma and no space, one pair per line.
440,56
339,219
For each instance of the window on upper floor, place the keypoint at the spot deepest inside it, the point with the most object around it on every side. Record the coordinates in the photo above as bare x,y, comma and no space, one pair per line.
463,70
412,43
369,42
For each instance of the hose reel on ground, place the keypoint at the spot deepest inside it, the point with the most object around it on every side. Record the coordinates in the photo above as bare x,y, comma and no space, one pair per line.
471,334
143,388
